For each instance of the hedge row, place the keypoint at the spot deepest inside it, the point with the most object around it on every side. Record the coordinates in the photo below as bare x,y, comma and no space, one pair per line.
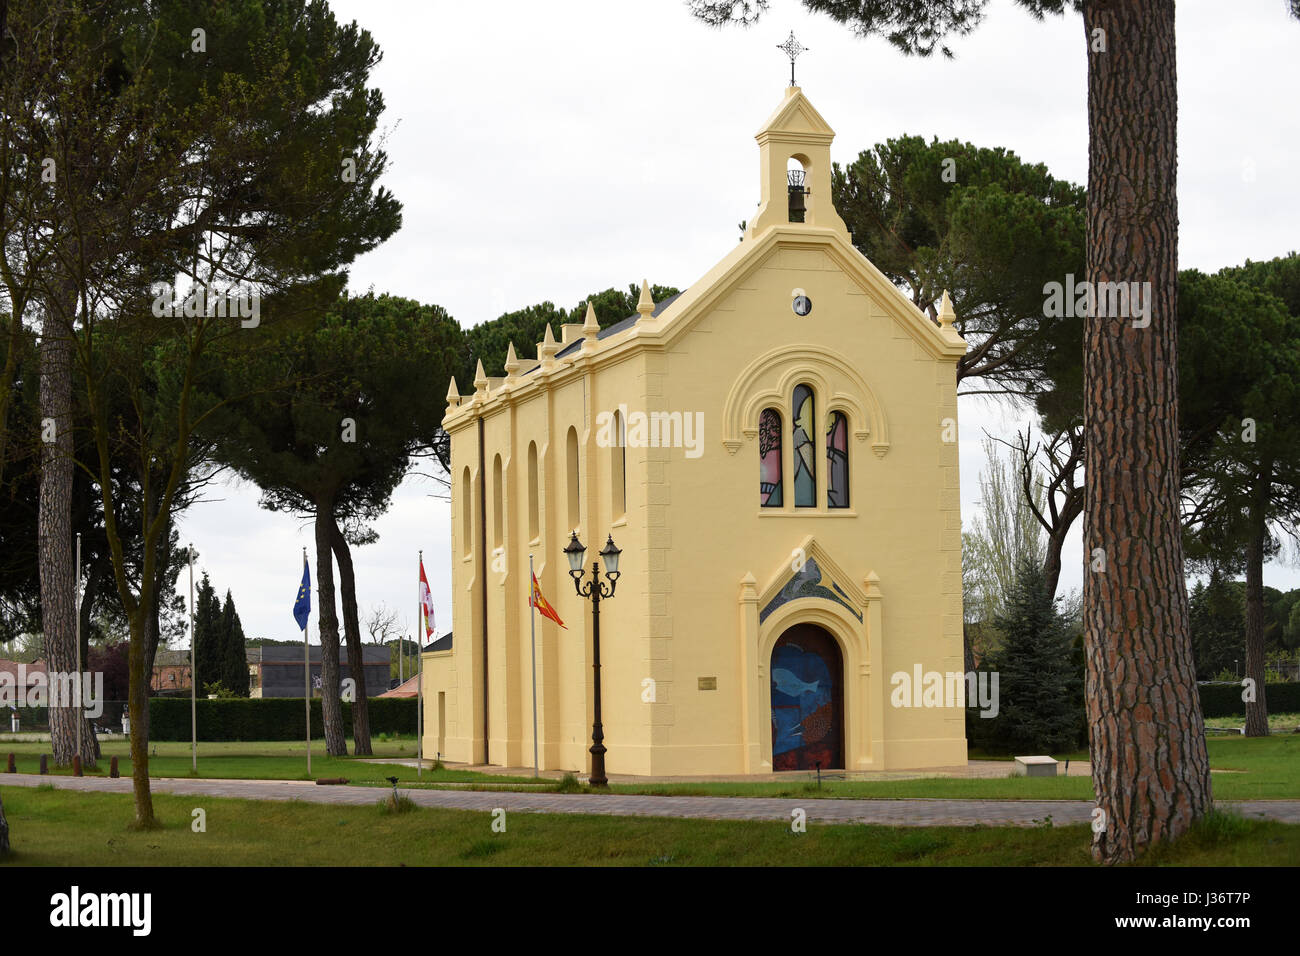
268,718
1224,700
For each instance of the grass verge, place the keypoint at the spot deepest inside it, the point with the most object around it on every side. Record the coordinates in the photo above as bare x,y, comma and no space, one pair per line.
60,828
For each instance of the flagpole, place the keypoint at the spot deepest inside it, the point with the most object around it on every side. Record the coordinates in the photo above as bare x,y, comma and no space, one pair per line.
306,677
532,626
194,722
419,683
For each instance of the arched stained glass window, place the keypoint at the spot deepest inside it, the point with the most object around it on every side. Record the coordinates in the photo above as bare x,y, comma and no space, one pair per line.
805,448
769,458
837,461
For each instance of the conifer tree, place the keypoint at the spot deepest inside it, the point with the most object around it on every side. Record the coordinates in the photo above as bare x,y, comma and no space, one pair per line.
1037,683
207,636
234,673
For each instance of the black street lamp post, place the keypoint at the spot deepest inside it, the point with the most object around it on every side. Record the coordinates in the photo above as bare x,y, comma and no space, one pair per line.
595,589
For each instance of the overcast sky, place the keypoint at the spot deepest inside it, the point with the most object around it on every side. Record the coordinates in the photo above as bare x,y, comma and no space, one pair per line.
548,150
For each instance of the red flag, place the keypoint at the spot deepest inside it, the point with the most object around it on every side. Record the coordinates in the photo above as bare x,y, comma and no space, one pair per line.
426,603
536,600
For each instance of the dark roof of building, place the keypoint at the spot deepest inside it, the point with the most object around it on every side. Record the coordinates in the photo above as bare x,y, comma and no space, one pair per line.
441,644
617,327
273,654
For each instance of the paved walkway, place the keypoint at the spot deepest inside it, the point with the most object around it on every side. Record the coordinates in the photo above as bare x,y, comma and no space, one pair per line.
906,812
983,769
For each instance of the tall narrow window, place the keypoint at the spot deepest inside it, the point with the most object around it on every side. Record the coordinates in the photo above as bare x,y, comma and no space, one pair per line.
466,514
618,467
498,503
769,458
837,462
571,458
532,491
805,448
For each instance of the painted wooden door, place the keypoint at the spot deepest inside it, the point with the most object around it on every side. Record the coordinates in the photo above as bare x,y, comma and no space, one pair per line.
807,700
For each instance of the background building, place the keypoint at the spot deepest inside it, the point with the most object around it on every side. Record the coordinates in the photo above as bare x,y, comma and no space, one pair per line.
277,671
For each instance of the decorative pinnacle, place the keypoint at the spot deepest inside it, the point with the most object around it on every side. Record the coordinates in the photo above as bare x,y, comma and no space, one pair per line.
547,349
792,48
645,306
590,328
512,363
946,313
453,394
480,380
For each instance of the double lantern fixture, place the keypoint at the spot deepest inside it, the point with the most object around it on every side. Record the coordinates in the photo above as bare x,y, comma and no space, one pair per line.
595,589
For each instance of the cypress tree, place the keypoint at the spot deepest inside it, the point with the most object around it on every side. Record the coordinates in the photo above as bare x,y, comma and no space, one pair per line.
234,658
207,636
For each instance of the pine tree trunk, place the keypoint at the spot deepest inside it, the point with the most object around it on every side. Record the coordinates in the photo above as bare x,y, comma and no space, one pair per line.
151,634
331,707
1256,710
1071,510
1149,765
138,708
57,567
1052,562
352,632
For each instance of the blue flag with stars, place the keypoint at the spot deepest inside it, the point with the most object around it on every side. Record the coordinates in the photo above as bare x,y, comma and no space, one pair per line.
302,606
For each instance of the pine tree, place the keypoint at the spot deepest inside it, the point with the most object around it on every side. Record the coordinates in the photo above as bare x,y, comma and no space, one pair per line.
234,674
1218,626
1038,683
207,636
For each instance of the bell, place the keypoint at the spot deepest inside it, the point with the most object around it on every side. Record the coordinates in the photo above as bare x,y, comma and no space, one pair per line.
797,192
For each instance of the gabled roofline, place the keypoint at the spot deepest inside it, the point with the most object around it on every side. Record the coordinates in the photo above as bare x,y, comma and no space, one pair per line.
679,314
731,272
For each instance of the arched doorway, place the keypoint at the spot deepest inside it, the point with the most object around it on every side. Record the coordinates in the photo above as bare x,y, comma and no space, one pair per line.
807,700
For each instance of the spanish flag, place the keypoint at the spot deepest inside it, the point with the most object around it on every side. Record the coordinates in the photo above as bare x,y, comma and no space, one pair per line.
536,600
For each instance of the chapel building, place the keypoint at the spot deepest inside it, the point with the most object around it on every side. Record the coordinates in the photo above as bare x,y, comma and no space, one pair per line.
774,452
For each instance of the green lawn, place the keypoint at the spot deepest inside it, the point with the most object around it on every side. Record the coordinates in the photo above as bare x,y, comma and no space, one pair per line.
1251,768
1269,769
57,828
260,760
1277,723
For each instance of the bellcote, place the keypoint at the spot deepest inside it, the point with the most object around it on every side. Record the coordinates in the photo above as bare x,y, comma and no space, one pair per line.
794,148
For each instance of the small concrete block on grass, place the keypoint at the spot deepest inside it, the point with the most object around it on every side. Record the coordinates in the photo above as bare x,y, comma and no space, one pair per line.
1035,767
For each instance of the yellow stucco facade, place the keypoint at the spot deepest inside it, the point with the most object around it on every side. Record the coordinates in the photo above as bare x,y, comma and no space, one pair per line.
712,582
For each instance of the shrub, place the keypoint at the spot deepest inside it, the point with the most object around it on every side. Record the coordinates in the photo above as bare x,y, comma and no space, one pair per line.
270,718
568,784
1224,700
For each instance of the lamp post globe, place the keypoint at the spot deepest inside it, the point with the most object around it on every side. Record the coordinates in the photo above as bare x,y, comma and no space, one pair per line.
576,552
610,554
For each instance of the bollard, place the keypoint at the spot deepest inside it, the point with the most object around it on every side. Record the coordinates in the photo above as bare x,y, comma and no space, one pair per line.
12,768
45,764
112,768
76,765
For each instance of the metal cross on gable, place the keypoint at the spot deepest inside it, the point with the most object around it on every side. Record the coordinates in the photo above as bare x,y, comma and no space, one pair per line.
792,48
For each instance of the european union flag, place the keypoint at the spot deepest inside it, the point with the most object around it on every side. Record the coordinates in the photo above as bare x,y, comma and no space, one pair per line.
302,606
